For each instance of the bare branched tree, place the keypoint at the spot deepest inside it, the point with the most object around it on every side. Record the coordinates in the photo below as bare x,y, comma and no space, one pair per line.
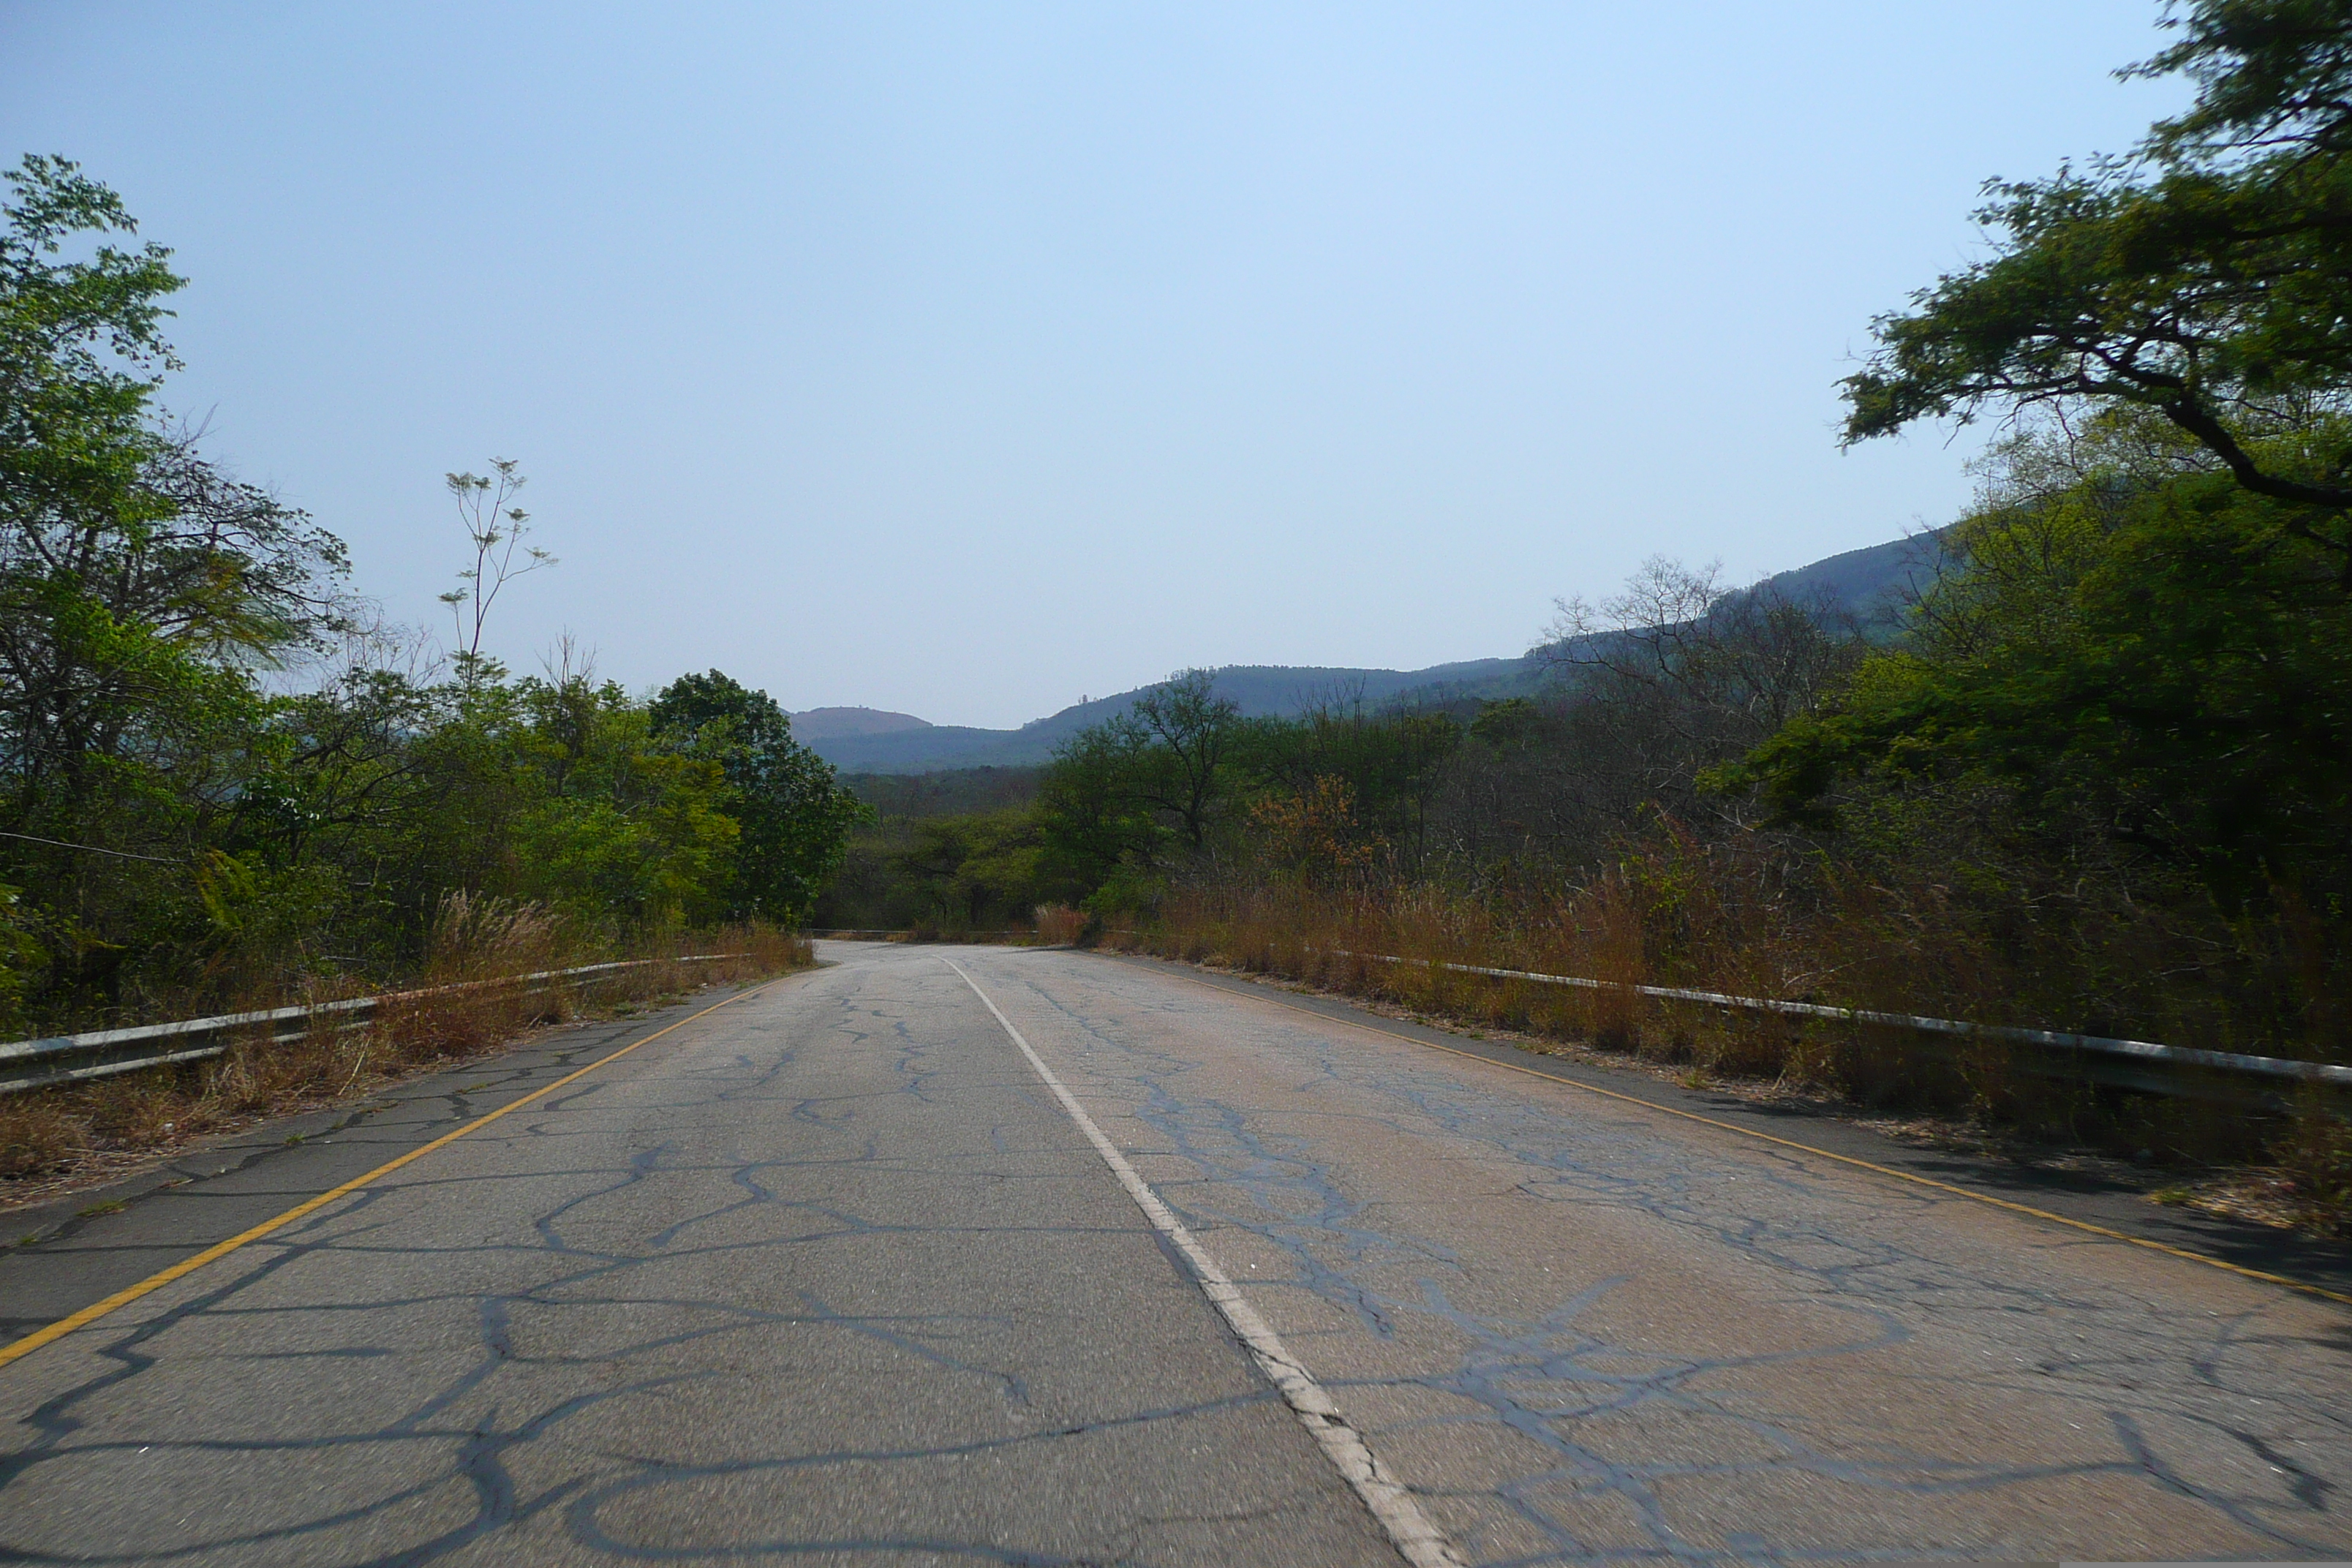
497,528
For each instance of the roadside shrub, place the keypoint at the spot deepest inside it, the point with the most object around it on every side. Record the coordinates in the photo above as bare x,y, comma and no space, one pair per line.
1059,925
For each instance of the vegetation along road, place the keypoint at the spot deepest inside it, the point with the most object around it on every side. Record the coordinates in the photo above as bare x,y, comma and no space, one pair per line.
961,1254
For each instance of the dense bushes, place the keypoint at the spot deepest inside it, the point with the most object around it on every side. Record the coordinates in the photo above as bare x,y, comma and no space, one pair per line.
948,853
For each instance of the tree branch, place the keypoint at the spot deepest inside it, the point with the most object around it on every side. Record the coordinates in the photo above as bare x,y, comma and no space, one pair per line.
2210,433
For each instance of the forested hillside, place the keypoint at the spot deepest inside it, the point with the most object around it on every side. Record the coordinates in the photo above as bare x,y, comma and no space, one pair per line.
1867,586
223,779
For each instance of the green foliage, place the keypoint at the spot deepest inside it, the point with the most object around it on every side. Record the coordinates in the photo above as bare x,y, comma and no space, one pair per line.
1151,783
20,957
795,817
1184,780
1171,752
2127,709
1391,766
183,834
952,872
973,872
618,824
2159,652
1512,722
2109,757
2207,280
1095,809
80,346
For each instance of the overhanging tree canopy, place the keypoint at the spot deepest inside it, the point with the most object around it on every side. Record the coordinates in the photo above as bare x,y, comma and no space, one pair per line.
2208,278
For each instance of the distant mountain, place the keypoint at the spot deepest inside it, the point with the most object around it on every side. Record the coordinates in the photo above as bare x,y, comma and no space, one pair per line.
832,724
929,749
1863,583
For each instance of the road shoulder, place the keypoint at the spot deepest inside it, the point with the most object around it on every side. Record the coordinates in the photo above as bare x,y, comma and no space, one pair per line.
2085,1198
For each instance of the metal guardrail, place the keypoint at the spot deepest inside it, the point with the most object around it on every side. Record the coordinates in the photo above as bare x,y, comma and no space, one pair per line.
60,1058
2136,1051
2140,1050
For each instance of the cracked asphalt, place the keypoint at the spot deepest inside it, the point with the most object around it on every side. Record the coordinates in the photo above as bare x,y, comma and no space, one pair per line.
829,1276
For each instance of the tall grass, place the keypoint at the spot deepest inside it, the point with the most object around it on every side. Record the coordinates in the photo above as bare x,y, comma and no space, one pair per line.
1733,917
1059,925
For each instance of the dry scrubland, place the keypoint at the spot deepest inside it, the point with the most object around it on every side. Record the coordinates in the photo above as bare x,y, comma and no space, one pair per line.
2290,1164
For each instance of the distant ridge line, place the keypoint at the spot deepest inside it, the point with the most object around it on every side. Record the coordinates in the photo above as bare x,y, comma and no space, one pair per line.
1862,582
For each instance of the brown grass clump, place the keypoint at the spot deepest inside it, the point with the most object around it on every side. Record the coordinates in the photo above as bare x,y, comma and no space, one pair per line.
75,1131
38,1134
1059,925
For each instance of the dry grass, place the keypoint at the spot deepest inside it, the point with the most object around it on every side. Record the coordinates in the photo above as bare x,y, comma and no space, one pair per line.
60,1137
1674,920
2314,1171
1059,925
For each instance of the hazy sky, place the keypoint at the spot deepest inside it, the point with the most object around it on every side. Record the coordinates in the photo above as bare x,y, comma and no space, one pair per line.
962,360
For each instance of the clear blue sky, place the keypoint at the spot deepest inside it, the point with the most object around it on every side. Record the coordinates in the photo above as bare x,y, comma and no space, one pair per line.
962,360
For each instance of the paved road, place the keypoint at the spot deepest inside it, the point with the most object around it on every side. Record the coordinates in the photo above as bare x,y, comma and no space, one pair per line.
833,1274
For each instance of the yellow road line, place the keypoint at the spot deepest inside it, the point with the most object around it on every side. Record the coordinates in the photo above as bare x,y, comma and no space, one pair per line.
187,1266
2027,1209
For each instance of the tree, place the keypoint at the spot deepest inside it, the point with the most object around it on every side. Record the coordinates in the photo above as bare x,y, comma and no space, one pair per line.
130,567
1177,738
139,585
795,817
969,872
1092,818
622,823
1391,765
1118,794
2209,278
497,528
2127,645
81,346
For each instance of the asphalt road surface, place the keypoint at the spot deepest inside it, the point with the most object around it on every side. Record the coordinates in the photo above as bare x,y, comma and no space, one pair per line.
856,1270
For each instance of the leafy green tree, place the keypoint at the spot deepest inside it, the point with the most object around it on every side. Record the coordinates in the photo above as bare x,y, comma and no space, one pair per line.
1120,796
2155,650
81,348
612,823
971,872
2207,279
133,573
1093,819
795,814
140,588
